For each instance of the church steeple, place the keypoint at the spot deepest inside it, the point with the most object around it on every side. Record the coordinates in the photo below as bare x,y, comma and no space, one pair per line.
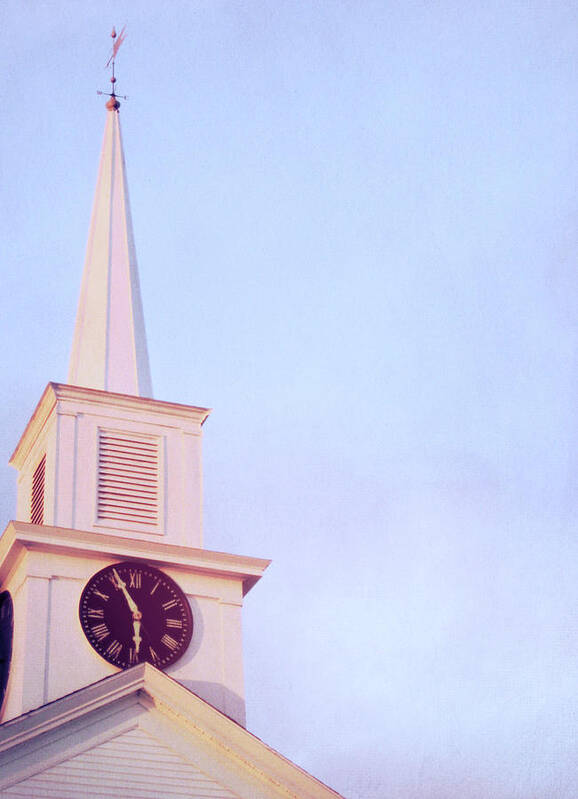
109,350
107,477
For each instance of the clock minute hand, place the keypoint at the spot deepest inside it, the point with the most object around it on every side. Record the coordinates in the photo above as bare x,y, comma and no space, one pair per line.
131,603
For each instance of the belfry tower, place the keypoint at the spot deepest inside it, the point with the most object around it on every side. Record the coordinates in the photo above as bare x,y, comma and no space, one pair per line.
120,635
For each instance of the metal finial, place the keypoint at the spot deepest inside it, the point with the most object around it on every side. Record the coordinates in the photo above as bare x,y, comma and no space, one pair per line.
113,104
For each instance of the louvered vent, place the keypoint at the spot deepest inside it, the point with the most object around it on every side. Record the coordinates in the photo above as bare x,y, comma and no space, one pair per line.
128,478
37,498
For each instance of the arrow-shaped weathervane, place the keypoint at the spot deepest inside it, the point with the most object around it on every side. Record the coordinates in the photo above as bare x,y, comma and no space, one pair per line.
116,43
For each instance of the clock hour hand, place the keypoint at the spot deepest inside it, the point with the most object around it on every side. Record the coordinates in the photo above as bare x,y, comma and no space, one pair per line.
136,637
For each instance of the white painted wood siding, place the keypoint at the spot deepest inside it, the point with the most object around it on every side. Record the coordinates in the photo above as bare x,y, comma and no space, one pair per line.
132,766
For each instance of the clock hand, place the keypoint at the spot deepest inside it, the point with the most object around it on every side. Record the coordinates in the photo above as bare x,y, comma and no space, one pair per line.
131,603
136,614
136,637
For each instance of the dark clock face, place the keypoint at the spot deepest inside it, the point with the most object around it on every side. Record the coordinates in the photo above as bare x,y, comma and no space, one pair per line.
6,631
132,613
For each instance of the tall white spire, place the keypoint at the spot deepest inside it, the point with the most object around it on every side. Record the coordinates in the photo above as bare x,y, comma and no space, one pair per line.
109,349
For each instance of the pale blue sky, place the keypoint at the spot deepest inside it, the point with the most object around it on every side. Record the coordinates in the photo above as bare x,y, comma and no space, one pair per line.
357,231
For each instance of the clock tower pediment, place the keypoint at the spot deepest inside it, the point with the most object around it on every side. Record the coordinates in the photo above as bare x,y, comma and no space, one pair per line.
102,740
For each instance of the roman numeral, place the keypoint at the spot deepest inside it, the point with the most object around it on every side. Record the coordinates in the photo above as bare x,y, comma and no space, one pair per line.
132,658
169,642
135,579
95,613
176,623
106,597
170,604
154,657
113,649
100,631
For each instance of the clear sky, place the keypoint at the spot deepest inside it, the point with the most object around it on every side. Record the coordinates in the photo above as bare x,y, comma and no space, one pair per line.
357,231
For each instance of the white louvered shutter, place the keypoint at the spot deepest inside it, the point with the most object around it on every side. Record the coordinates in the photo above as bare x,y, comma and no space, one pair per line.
128,478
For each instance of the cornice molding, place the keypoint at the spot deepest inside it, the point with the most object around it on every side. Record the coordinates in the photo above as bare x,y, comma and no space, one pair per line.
34,427
54,393
20,537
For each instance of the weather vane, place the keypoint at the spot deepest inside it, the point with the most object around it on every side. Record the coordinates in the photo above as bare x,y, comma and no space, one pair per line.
113,103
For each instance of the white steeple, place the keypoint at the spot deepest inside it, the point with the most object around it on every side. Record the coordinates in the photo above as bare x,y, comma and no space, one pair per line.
109,350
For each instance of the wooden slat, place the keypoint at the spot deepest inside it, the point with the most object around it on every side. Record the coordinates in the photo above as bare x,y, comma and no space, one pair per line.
128,477
133,765
37,498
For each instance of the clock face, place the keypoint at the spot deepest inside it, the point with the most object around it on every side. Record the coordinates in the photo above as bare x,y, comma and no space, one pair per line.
132,613
6,631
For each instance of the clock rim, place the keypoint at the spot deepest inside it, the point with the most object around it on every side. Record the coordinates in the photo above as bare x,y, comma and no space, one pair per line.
175,586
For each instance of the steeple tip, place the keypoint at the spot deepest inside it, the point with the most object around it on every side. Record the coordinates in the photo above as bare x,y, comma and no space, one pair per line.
109,350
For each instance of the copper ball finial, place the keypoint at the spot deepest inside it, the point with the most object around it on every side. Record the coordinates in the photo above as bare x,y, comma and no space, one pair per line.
113,104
